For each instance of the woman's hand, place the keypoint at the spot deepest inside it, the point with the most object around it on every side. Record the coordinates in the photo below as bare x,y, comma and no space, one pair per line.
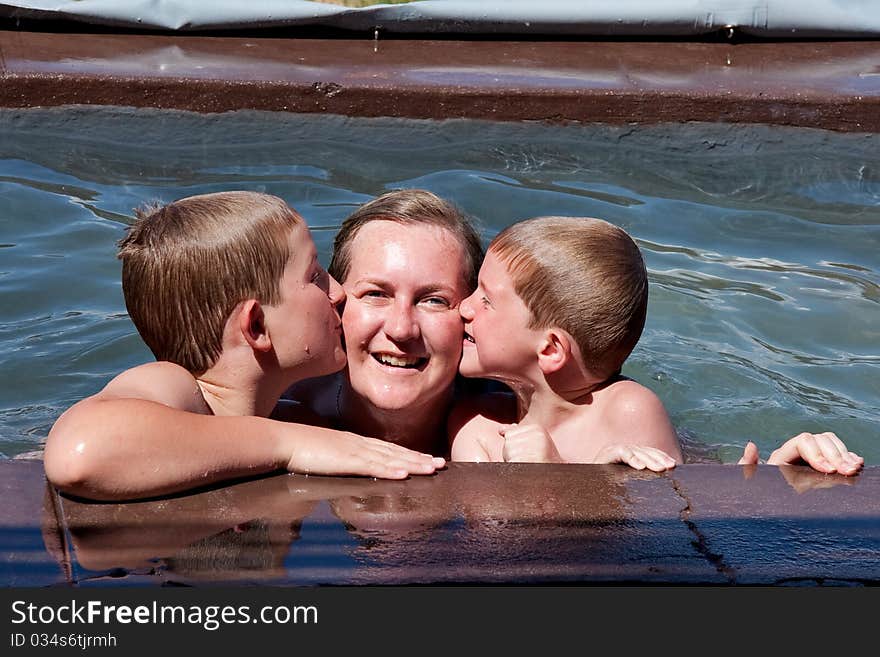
824,452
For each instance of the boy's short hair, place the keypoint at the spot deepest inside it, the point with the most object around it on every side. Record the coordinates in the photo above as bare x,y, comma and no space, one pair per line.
583,275
186,265
409,206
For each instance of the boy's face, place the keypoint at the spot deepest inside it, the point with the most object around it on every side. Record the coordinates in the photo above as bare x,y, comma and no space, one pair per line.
498,343
401,321
305,326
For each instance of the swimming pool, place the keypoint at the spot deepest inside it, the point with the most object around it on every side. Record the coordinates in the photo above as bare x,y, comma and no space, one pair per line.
761,244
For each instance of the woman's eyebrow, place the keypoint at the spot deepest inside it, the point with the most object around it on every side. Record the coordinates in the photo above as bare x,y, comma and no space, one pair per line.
371,280
421,289
435,287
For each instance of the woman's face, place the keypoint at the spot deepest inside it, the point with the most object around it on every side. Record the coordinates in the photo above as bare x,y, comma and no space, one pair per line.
402,327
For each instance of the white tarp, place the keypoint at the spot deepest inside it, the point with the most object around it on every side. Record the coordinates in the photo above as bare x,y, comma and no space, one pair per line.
767,18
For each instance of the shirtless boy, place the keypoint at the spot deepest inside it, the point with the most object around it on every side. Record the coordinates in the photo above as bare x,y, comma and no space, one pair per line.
560,305
227,292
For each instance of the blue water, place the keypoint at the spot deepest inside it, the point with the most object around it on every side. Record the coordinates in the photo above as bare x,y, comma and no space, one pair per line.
762,244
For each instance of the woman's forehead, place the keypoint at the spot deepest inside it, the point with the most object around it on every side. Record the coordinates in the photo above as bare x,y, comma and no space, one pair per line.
388,246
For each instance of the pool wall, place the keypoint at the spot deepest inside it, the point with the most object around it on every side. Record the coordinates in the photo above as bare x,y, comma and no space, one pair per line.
699,525
825,84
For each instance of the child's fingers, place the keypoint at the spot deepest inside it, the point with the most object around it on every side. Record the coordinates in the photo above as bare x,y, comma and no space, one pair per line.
637,457
656,459
635,461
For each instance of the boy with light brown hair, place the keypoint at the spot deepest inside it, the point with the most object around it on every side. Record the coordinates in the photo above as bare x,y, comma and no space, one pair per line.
227,292
560,304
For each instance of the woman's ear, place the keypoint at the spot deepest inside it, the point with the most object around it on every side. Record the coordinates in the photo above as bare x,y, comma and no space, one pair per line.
252,324
554,350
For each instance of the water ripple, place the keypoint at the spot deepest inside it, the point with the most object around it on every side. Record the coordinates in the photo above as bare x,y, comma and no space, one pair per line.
705,286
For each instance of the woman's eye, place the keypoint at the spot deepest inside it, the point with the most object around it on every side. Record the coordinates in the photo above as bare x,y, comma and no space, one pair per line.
485,302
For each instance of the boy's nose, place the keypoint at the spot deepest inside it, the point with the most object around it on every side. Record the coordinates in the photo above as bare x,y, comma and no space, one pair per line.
466,309
336,292
401,324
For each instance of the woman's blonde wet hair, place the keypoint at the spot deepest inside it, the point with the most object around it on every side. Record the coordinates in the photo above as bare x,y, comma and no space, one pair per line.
583,275
409,206
186,265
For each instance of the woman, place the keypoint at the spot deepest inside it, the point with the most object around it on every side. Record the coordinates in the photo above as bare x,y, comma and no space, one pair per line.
406,260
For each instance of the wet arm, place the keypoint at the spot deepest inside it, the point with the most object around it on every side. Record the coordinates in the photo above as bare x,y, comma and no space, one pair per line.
148,434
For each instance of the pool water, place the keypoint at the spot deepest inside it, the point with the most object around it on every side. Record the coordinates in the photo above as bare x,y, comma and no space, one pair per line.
762,245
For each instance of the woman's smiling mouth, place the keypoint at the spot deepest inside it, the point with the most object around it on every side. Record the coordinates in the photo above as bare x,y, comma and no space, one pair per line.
405,362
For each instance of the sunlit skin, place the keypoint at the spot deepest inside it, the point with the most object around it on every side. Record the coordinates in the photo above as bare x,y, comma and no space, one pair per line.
402,328
311,339
300,336
497,342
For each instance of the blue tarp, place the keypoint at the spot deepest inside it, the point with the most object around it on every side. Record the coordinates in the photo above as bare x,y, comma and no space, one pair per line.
770,18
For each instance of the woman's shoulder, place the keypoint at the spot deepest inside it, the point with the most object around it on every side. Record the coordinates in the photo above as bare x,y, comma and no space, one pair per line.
496,406
317,394
288,410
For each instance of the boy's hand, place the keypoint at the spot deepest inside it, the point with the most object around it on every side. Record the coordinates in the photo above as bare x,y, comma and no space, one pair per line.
528,443
636,456
824,452
343,453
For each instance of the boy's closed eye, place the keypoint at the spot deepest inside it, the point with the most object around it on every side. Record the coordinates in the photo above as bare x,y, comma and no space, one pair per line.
321,278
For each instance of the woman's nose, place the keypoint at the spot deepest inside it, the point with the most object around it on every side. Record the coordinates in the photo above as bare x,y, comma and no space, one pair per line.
402,324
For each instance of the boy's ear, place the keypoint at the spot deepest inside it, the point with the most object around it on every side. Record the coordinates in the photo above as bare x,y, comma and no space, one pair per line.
252,324
554,350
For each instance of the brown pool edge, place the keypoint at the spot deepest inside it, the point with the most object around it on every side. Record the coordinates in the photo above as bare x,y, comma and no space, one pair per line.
476,524
832,85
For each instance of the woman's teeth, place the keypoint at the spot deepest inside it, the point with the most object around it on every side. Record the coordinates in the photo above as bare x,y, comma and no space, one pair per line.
398,361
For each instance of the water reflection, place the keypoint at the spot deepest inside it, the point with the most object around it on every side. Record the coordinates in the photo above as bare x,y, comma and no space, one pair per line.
471,523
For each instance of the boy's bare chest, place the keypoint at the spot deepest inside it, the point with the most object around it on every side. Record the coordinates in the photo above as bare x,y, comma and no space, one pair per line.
581,437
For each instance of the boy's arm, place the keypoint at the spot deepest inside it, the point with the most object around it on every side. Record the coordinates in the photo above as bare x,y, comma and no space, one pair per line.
148,433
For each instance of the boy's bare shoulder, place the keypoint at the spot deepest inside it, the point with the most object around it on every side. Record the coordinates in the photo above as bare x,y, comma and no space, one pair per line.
634,414
626,397
161,382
